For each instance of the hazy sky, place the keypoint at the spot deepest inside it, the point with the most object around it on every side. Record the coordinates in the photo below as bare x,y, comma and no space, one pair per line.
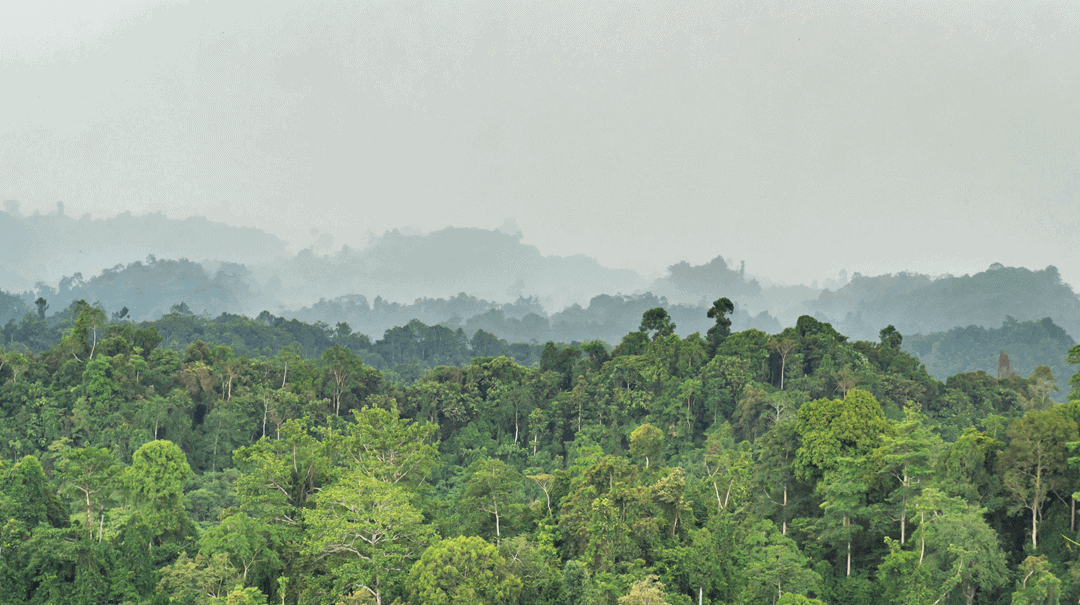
802,137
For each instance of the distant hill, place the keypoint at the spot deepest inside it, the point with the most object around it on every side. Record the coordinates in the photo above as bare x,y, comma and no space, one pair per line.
702,284
46,247
1028,344
490,265
920,304
149,289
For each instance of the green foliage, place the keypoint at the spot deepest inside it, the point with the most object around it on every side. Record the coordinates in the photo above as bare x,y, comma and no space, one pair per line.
462,571
154,483
832,429
141,470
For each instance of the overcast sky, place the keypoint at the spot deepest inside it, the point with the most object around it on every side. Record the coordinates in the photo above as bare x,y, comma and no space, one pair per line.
802,137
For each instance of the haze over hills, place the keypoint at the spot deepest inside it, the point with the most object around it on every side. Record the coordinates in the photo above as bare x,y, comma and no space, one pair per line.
470,278
49,247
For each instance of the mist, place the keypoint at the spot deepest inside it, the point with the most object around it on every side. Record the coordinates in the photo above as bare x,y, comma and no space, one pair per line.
937,137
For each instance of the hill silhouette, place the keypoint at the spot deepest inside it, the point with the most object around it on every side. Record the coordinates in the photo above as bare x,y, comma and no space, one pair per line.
917,303
47,247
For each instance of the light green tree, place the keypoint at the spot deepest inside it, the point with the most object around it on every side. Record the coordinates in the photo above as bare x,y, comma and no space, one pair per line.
369,531
462,571
645,442
155,486
246,541
647,591
1036,584
843,494
775,566
87,477
1035,462
493,488
907,455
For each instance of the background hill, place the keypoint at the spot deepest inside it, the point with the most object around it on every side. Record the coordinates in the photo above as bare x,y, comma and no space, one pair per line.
920,304
47,247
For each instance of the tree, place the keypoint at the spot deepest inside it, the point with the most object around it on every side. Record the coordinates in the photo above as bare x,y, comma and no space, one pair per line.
1004,367
727,466
345,375
1074,382
87,476
384,446
890,338
956,546
719,332
907,455
369,529
492,488
89,325
246,541
28,494
1036,585
783,346
155,486
199,580
647,591
646,441
1044,383
775,566
843,494
1035,462
833,429
656,320
462,571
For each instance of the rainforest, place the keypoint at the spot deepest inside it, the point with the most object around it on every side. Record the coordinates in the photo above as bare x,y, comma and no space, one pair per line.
233,460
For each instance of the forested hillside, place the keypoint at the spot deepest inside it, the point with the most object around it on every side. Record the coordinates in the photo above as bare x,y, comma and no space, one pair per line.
916,303
724,467
1024,344
47,247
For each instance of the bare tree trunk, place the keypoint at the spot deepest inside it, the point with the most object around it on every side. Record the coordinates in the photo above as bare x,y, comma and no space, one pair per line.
903,522
847,523
922,538
1034,527
783,530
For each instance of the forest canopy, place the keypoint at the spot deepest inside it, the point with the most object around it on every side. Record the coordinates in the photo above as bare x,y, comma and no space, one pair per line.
238,460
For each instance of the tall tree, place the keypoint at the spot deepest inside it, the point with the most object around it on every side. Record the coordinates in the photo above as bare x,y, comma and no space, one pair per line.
722,329
493,488
1035,462
368,530
462,571
843,495
155,486
907,456
657,322
87,475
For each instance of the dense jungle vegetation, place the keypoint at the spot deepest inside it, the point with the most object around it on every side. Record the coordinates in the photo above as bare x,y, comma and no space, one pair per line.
302,463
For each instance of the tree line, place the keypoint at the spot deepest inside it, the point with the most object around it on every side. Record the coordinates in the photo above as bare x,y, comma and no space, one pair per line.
734,467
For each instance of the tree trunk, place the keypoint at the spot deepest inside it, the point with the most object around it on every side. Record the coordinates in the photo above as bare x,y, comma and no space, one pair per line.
1034,527
783,524
922,538
847,523
903,522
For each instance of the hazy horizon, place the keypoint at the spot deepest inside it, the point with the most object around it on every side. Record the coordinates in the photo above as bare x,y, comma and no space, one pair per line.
936,137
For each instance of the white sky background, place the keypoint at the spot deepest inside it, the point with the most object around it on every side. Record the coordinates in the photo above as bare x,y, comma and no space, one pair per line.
802,137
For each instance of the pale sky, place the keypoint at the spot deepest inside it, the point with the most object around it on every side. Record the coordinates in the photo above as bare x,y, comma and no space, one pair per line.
804,137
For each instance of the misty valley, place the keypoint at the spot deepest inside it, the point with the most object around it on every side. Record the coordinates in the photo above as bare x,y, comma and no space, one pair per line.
259,426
